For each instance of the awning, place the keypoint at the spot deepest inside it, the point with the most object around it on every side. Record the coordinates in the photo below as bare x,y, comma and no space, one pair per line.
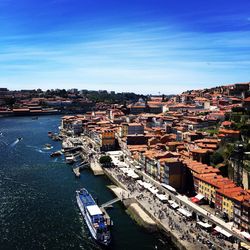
244,246
132,174
124,170
140,182
199,196
173,204
205,225
194,199
145,184
138,167
222,231
153,190
184,212
246,235
162,197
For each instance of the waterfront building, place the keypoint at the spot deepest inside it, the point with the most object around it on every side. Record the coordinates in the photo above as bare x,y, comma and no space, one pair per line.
208,185
172,173
242,211
224,203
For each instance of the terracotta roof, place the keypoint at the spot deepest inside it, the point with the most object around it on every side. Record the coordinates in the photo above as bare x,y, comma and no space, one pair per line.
200,151
228,131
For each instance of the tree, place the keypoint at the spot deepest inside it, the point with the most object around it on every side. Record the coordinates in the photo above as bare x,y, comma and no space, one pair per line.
105,160
10,101
216,158
238,110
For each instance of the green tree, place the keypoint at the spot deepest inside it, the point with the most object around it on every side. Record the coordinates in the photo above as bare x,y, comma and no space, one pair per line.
105,160
216,158
10,101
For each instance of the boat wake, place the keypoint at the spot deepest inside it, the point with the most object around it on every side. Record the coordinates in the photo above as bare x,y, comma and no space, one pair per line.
38,149
14,143
41,151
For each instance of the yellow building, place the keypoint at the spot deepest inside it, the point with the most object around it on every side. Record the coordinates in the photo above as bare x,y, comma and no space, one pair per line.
228,206
209,186
207,190
225,200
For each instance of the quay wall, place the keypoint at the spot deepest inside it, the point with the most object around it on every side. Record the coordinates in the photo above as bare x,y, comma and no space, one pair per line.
114,180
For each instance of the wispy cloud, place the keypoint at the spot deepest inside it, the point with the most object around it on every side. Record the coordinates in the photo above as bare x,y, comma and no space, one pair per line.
147,56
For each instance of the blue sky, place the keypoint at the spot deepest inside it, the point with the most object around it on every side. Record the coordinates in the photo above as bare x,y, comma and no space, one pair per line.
144,46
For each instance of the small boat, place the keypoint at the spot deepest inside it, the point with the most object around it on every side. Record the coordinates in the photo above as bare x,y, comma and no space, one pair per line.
50,134
47,146
70,159
19,138
97,222
57,153
56,137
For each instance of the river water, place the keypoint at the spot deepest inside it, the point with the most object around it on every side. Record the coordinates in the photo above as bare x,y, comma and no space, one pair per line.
37,195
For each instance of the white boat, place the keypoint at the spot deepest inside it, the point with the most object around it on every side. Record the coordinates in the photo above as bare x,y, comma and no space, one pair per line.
98,225
70,159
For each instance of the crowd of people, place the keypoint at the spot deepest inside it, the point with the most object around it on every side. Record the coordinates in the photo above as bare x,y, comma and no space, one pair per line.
185,229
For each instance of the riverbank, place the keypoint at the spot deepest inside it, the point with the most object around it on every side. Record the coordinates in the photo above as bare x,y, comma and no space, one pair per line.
142,216
38,205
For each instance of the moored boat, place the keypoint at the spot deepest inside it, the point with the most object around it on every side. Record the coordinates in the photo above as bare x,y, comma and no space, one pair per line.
57,153
70,159
47,146
98,224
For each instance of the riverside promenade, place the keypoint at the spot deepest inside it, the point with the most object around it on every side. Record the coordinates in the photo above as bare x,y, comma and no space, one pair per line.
184,233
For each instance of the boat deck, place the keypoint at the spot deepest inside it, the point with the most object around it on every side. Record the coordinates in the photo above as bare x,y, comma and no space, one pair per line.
86,199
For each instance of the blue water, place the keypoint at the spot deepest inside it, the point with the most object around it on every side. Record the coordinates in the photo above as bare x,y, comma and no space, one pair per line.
37,195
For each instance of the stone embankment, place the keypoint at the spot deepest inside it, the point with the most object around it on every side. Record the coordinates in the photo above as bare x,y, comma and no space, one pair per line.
96,168
133,209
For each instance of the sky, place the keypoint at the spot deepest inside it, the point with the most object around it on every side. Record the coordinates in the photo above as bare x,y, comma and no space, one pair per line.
142,46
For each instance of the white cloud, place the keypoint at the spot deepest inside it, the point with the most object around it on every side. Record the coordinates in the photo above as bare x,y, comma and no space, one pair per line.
146,59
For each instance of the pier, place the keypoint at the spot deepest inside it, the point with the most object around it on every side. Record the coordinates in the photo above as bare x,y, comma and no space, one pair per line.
76,171
96,168
111,202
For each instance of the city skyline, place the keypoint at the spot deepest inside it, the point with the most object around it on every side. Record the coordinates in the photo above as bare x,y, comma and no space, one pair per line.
130,46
